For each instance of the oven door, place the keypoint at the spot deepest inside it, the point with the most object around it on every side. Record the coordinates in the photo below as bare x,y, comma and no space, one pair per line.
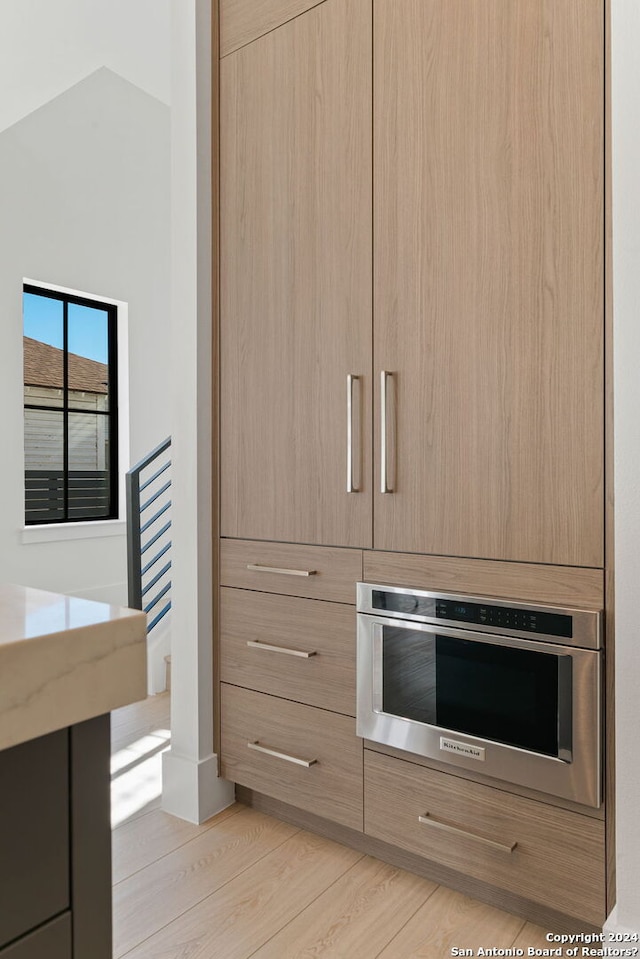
518,710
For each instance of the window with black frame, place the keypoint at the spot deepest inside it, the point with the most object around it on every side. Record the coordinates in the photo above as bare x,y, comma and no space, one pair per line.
70,408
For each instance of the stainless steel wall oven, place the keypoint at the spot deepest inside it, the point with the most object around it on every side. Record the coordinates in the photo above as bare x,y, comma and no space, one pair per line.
507,689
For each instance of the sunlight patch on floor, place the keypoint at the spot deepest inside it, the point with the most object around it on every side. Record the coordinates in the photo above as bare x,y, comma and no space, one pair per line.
136,775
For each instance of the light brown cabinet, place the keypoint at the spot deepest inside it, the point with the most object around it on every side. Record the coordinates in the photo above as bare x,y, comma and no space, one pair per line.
477,213
301,755
411,196
296,292
489,270
548,855
312,572
287,670
300,649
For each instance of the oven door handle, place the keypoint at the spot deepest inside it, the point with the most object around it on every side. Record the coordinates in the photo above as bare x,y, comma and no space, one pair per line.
428,820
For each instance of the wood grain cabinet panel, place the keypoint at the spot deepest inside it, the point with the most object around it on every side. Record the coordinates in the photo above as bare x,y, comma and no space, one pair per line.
296,262
311,571
301,649
488,274
555,585
331,787
242,21
558,857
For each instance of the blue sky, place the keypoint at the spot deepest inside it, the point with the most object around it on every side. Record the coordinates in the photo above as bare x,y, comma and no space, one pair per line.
87,326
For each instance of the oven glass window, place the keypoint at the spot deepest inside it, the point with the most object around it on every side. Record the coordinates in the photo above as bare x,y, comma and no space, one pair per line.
492,692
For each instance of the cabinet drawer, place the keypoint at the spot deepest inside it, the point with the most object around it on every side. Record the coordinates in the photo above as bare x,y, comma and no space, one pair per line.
301,649
557,859
528,582
317,572
330,787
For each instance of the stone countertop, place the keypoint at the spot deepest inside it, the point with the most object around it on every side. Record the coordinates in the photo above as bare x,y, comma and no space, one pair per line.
64,660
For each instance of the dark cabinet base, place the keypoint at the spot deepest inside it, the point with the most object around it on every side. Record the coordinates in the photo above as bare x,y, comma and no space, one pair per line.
55,845
52,941
34,834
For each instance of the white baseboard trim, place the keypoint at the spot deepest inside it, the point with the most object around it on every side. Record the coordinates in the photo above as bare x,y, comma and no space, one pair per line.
191,789
612,925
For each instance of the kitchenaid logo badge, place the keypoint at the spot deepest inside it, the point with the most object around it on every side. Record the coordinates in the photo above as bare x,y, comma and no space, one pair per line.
462,749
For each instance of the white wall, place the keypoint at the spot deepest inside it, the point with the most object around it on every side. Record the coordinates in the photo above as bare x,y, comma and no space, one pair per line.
85,201
626,301
46,46
191,788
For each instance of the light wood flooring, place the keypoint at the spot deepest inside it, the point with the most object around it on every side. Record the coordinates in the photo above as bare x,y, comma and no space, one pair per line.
246,885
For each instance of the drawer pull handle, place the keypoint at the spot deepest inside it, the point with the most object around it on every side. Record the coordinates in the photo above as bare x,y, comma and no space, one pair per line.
274,752
283,572
502,846
302,653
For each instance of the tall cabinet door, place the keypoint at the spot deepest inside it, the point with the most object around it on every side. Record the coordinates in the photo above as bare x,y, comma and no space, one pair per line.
488,277
296,284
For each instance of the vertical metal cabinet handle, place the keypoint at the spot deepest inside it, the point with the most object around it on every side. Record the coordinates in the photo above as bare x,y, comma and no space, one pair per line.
278,755
501,846
303,654
384,485
351,487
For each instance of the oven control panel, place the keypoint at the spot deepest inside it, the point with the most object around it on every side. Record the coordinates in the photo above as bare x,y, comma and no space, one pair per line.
573,627
505,617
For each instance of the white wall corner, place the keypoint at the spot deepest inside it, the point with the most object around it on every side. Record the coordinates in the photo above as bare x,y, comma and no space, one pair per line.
625,94
612,926
192,790
158,647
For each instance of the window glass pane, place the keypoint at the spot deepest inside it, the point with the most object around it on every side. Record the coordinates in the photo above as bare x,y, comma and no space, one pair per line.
43,356
44,460
88,466
69,425
88,345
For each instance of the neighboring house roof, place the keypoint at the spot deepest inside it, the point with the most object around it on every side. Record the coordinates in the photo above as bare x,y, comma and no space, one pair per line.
43,367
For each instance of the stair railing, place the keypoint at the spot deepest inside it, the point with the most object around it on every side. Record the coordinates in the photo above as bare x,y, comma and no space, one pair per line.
148,490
